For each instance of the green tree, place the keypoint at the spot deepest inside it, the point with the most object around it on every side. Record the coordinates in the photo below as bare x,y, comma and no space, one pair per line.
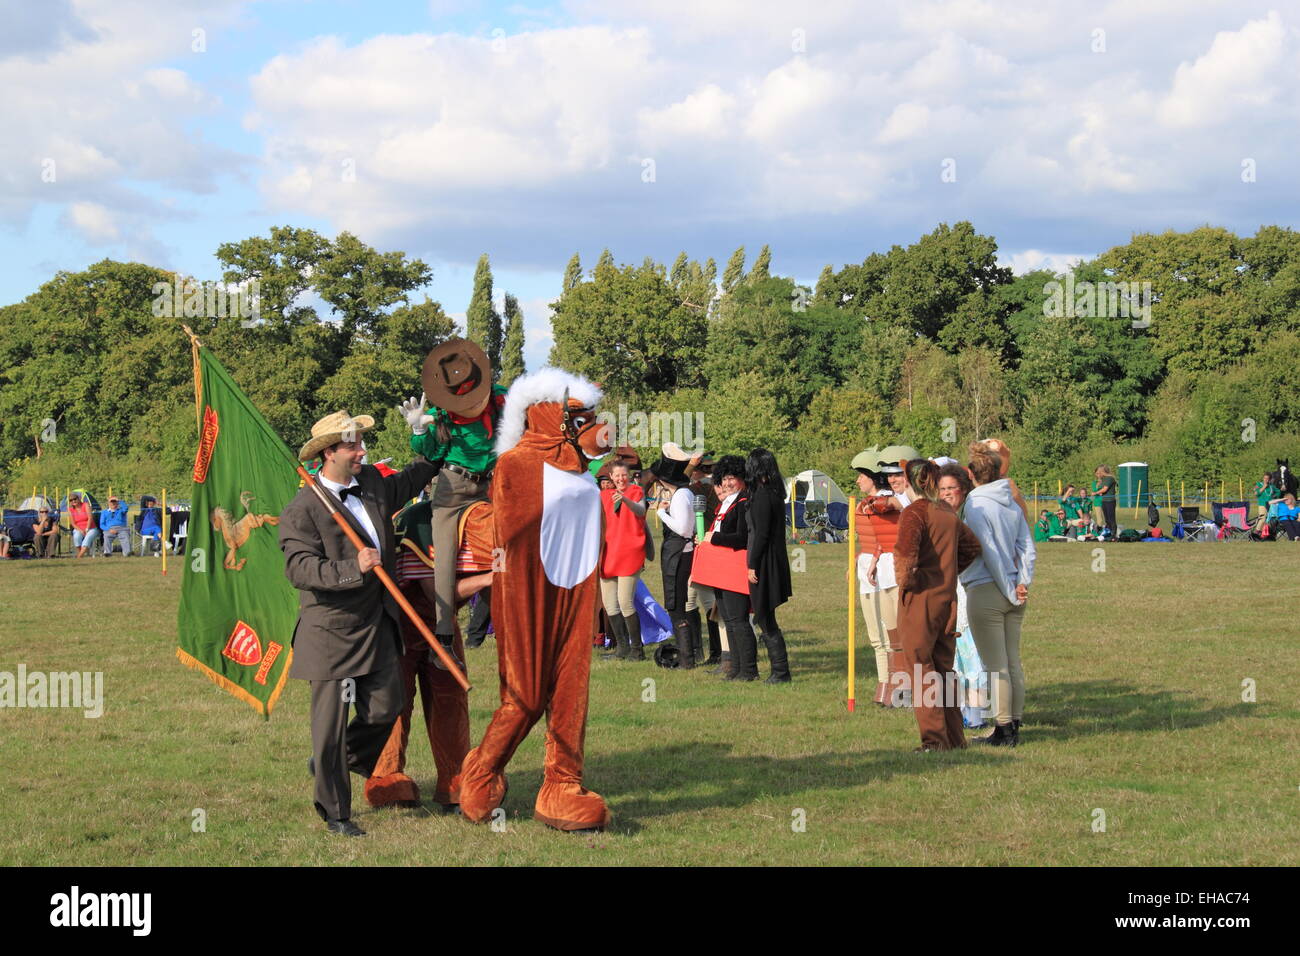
572,273
283,265
512,358
627,329
762,269
361,284
482,321
735,270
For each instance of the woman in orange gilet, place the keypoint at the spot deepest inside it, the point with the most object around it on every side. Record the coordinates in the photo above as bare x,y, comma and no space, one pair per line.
876,522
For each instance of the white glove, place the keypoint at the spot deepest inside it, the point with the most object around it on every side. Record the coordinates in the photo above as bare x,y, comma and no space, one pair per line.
413,411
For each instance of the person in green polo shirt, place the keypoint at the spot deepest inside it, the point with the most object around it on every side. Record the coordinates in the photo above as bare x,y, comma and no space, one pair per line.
1075,508
457,380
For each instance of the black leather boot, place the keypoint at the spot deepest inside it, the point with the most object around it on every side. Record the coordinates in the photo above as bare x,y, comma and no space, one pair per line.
1004,735
774,641
617,630
697,646
632,628
715,645
744,653
685,646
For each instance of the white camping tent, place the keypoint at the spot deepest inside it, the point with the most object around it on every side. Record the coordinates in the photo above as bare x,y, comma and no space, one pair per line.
821,487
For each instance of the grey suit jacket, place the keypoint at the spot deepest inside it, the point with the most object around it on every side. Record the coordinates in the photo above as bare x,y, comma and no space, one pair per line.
341,610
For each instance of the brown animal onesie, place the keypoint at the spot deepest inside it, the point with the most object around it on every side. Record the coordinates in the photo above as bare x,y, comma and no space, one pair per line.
933,547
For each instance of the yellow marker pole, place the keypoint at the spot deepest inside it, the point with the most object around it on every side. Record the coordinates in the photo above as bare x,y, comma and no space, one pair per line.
853,540
163,522
794,532
1241,490
1182,494
1060,490
1035,496
1169,495
1206,497
1138,500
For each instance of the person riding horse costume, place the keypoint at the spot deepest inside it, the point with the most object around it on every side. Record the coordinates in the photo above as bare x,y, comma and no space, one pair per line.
547,521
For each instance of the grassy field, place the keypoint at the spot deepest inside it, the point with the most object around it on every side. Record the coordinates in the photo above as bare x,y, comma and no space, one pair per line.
1135,708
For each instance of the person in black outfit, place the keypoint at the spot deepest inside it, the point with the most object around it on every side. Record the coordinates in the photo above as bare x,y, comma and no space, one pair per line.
676,555
730,529
769,566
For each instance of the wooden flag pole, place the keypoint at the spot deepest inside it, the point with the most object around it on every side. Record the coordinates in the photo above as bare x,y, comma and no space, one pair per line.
853,540
448,661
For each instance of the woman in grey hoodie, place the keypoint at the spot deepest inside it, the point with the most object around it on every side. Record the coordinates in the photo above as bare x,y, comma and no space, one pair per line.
997,586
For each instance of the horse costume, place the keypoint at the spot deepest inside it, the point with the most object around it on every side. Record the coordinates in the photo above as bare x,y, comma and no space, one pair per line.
547,522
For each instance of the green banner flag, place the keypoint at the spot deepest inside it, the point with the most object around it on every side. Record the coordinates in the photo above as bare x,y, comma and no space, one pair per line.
238,610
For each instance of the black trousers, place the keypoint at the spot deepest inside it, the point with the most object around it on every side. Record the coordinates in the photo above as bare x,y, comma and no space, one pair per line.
479,619
1108,512
734,608
339,746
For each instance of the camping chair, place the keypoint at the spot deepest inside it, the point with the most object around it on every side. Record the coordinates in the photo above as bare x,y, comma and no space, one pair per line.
815,518
1232,518
837,517
1190,526
138,536
22,539
178,525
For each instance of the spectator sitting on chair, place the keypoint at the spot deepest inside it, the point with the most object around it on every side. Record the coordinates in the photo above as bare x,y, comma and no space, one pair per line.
150,525
4,540
45,533
112,523
83,531
1288,517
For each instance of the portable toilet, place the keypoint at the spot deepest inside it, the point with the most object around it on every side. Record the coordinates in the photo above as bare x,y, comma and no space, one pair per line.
1134,485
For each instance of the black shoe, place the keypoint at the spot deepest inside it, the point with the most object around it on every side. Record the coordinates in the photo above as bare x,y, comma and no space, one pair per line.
1004,735
345,827
448,644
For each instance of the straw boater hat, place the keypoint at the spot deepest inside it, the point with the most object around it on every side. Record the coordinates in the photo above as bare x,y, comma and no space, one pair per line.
331,429
457,377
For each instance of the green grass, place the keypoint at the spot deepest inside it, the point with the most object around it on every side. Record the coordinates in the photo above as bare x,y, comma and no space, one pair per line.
1134,707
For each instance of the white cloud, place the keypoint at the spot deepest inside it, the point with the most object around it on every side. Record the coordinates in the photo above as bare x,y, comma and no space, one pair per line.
1240,70
93,221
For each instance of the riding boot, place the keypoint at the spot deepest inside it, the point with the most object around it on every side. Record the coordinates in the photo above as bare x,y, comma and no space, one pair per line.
715,645
685,648
774,641
697,648
632,628
726,668
617,630
744,651
900,682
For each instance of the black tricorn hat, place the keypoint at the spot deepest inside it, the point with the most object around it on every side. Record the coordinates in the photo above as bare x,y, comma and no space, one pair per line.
671,472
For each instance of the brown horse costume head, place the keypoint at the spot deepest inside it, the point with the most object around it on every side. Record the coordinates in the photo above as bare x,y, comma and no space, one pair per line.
547,519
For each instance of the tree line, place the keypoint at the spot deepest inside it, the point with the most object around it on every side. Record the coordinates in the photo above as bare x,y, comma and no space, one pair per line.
933,344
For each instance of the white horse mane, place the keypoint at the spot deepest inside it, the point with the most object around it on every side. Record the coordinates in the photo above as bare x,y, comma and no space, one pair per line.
545,385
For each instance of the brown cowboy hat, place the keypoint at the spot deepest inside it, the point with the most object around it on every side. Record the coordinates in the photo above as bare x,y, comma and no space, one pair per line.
457,377
331,429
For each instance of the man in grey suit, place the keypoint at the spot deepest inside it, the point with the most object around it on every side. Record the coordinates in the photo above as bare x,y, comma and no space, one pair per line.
347,641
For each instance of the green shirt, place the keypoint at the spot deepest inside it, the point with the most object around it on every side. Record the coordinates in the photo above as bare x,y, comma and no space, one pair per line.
1264,493
471,446
1047,528
1103,490
1073,507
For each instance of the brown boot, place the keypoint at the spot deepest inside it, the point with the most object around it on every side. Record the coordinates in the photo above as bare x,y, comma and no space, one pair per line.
726,666
900,691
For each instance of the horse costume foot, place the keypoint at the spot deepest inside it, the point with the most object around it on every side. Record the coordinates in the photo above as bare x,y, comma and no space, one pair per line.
392,790
481,791
571,807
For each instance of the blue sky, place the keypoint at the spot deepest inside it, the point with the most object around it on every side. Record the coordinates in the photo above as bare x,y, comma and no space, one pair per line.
527,132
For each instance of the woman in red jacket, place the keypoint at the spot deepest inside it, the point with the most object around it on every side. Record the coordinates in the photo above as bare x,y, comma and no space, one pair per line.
933,547
624,558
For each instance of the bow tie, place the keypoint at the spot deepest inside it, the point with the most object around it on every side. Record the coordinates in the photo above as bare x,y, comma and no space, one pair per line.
355,491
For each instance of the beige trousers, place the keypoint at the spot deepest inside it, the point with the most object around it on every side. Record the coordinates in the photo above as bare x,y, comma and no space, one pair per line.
995,624
880,609
701,596
617,595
